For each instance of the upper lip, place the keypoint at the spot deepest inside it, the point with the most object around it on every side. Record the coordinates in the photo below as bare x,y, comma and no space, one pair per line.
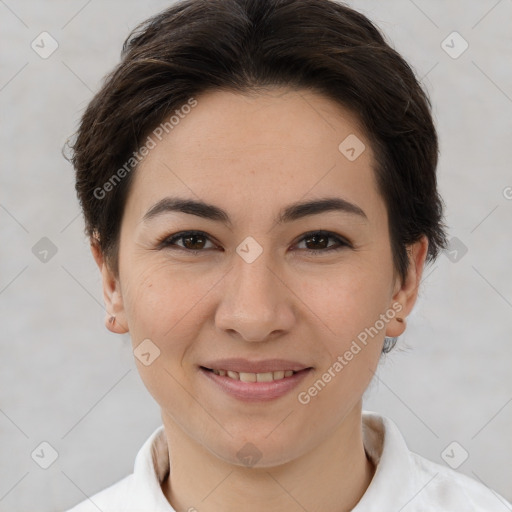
246,366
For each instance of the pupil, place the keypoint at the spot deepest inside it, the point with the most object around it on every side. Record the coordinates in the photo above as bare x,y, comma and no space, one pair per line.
315,237
192,237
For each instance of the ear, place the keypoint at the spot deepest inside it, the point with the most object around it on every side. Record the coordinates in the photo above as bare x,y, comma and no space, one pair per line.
406,292
111,293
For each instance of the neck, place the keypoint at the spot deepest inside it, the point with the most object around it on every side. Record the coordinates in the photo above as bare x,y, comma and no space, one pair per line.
330,478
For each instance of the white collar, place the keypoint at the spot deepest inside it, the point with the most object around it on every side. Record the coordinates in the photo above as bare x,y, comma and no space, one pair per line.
402,481
383,443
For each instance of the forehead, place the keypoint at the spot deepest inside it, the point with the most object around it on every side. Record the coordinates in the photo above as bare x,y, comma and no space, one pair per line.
256,152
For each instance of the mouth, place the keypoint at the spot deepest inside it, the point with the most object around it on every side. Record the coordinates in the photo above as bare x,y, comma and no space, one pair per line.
274,379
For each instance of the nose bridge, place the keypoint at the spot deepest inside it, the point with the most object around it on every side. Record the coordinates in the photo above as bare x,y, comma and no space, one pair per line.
253,279
254,303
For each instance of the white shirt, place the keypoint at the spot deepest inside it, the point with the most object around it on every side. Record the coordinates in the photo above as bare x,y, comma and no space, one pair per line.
403,481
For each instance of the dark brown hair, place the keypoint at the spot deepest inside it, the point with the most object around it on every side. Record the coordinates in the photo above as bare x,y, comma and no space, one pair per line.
248,45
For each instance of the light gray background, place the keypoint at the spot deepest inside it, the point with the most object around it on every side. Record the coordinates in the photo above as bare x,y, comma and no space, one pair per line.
66,380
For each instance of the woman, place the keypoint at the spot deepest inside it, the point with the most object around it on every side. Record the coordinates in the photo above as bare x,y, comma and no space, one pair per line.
258,181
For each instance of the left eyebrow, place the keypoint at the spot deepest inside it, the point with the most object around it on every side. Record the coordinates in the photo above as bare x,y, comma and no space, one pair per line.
290,213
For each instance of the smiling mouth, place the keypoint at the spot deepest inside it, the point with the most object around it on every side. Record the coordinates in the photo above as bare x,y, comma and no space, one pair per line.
254,377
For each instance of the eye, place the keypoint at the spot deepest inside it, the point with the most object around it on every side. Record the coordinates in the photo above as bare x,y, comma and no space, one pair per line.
321,238
194,242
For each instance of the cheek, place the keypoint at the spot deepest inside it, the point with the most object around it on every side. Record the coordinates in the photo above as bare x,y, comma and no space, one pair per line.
351,339
345,301
163,306
166,304
158,295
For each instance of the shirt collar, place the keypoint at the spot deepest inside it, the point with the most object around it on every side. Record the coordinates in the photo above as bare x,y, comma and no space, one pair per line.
150,469
394,483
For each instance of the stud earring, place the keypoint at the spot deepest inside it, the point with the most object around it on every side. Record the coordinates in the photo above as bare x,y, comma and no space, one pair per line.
112,320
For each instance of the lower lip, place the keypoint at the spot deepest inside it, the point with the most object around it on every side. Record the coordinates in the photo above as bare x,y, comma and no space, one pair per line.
256,391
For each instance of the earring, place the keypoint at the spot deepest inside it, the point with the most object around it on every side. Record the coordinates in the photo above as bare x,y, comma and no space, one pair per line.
112,320
389,344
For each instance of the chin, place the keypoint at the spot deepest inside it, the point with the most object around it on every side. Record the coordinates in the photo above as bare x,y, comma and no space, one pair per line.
258,451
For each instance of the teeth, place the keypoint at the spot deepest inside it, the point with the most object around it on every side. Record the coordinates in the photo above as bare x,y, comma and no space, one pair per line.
255,377
263,377
248,377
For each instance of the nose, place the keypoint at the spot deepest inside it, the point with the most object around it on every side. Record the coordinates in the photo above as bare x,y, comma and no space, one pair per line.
256,303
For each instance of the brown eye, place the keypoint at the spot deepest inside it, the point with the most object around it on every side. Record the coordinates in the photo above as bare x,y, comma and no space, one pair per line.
318,242
192,241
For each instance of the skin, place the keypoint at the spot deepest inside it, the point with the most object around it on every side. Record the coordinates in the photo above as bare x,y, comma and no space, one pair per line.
253,155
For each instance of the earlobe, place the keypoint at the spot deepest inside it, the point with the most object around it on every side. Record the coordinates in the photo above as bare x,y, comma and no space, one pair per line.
407,291
114,316
113,325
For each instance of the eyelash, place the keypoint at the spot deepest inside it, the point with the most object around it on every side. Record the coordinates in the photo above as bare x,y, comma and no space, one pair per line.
167,242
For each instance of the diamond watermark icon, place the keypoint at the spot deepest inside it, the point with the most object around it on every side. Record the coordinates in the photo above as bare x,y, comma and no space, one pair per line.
44,250
44,455
455,250
249,250
352,147
249,454
44,45
454,45
146,352
454,455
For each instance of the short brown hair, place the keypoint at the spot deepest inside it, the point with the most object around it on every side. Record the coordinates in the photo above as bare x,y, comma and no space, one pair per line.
246,45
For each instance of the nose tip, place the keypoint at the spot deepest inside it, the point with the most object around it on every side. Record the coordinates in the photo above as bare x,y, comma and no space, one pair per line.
252,323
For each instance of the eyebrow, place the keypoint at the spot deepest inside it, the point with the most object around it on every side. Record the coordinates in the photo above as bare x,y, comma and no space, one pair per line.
290,213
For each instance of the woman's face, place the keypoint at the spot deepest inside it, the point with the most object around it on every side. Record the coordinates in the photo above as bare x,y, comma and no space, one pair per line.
254,289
